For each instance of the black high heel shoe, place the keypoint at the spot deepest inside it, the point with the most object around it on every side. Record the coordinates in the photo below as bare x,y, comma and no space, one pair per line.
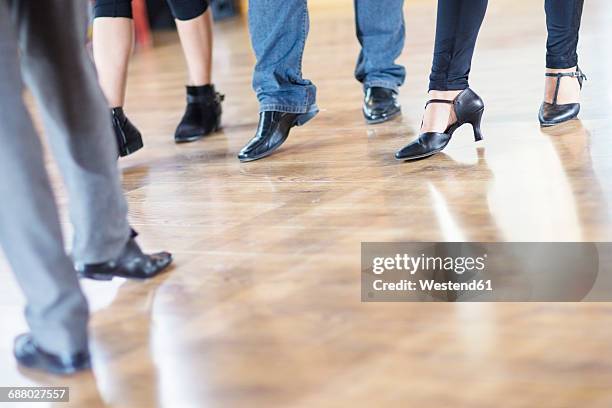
553,114
468,108
128,136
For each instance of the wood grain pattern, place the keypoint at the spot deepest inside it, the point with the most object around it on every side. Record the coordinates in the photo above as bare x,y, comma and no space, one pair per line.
262,307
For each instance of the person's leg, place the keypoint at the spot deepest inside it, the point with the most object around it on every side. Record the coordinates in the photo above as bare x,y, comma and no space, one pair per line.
203,112
451,103
196,39
279,29
563,19
60,75
381,33
457,28
113,39
30,232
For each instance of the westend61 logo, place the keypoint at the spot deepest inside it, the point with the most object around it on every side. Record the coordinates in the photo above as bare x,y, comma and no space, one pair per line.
444,271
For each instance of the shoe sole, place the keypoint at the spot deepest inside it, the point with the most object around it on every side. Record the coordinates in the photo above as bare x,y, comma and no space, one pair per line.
378,121
551,124
196,137
269,152
131,149
266,154
108,277
423,156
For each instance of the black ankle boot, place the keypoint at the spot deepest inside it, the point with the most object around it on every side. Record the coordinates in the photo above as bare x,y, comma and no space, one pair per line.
468,108
128,137
553,114
202,116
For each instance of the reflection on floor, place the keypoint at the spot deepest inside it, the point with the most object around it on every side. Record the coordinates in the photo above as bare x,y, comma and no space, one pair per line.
262,307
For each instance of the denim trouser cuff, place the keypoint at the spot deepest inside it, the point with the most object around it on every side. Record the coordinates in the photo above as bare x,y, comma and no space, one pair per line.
306,113
381,84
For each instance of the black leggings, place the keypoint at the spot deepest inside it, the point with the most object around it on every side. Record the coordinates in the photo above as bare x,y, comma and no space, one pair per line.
563,23
181,9
457,29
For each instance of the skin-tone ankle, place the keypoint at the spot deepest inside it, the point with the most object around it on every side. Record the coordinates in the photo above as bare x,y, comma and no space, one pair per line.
196,39
113,39
569,90
438,116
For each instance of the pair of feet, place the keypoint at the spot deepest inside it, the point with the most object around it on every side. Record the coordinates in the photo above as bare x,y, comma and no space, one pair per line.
131,263
202,117
561,103
438,117
380,105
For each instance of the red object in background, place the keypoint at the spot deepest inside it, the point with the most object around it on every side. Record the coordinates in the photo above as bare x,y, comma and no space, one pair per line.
141,23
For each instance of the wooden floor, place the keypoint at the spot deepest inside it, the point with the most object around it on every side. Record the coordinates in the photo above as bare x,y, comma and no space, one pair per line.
262,308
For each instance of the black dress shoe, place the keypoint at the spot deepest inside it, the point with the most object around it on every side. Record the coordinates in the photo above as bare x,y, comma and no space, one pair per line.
553,114
380,105
128,137
272,132
132,263
468,108
29,354
202,115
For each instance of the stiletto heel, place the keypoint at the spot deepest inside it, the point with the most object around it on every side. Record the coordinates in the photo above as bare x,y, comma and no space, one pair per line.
468,107
552,113
476,126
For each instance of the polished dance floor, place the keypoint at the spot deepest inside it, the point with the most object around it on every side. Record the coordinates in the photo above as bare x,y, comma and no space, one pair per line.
262,308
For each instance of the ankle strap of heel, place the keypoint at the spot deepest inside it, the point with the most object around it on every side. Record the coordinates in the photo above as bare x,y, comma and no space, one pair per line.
578,74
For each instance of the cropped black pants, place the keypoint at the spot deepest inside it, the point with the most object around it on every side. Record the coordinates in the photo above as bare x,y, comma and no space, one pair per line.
457,29
181,9
563,24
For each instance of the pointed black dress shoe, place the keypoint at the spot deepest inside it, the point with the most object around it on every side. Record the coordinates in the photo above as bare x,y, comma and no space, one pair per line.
552,113
380,105
131,263
30,355
128,136
272,132
202,115
468,108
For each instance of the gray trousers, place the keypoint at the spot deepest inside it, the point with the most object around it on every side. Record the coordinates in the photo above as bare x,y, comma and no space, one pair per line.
42,45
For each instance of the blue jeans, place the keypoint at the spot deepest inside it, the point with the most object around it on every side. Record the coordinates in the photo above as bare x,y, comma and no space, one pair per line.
278,33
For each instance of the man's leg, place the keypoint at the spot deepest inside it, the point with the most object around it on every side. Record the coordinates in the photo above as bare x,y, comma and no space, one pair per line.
30,232
278,33
61,76
381,33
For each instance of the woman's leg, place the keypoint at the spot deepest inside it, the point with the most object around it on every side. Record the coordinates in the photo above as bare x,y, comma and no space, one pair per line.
113,37
563,19
457,28
203,113
196,40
